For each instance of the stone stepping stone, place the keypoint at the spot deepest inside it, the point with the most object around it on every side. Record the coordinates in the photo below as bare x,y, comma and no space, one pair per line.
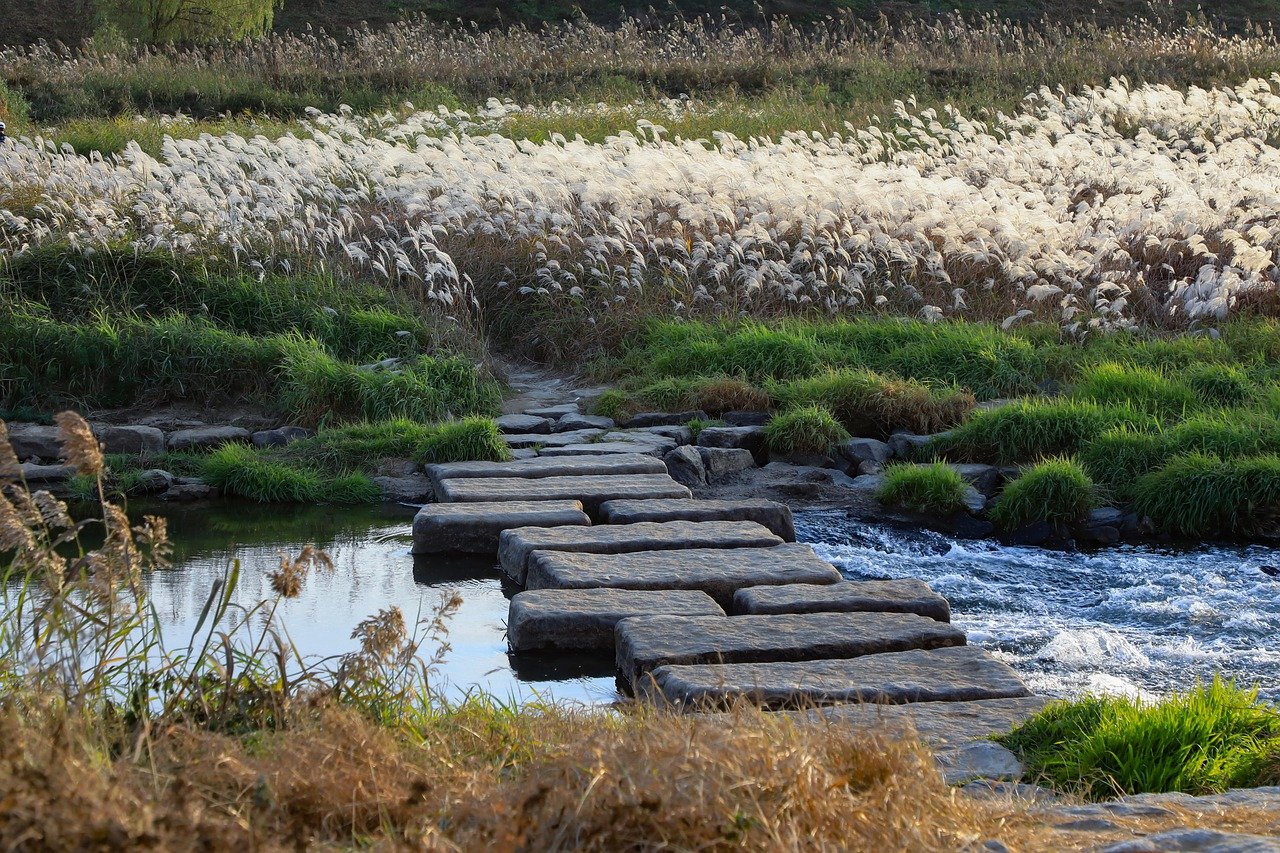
718,572
515,546
584,619
474,528
523,424
538,467
891,596
773,515
939,724
554,413
592,490
955,674
607,448
525,440
645,643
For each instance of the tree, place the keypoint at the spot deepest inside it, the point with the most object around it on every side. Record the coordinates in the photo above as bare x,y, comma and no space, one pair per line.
192,20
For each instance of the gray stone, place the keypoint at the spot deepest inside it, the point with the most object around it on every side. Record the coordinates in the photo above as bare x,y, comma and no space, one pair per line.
152,482
870,469
133,440
1107,516
722,462
585,618
678,433
1198,841
804,460
474,528
989,789
745,418
644,438
411,488
206,438
608,448
591,490
35,472
554,413
523,453
746,437
980,759
867,484
908,595
1034,533
942,725
685,467
719,572
1104,535
536,440
770,514
958,673
652,419
515,546
35,441
866,450
189,492
973,500
280,436
524,424
576,421
907,445
984,478
645,643
545,467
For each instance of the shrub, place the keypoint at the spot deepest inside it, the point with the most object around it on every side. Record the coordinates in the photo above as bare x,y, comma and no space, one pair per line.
1220,384
934,488
1204,741
868,404
1227,434
360,446
1140,388
1031,429
1055,490
471,439
807,429
1198,494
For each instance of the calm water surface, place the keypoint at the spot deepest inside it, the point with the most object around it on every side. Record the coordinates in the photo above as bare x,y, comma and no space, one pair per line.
1129,619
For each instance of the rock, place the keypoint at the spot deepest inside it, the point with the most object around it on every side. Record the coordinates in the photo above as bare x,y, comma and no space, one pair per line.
519,440
955,674
804,460
994,789
35,472
1106,516
35,441
189,492
746,437
206,438
152,482
685,467
868,484
577,421
584,619
719,572
981,759
554,413
645,643
524,424
591,490
1198,841
524,453
985,478
908,595
542,466
1104,535
515,546
745,418
962,525
974,501
609,448
679,433
722,462
942,725
868,469
858,450
643,441
775,516
652,419
133,440
907,445
1033,534
475,528
280,436
411,488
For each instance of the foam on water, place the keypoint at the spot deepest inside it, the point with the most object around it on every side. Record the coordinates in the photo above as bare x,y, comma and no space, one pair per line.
1130,620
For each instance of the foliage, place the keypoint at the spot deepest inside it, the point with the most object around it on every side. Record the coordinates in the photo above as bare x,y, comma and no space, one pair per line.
241,470
871,405
191,20
805,429
1055,490
1197,494
1140,388
934,489
1030,429
1213,737
470,439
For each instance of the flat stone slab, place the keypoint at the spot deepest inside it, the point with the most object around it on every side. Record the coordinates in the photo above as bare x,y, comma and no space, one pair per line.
516,545
539,467
554,412
525,440
474,528
770,514
892,596
955,674
645,643
606,448
585,619
716,571
591,490
939,724
523,424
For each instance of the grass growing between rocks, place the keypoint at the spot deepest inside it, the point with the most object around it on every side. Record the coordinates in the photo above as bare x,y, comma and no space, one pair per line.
805,429
1057,491
1213,737
935,489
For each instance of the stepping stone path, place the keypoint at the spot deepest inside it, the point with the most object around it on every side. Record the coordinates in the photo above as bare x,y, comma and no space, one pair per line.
703,602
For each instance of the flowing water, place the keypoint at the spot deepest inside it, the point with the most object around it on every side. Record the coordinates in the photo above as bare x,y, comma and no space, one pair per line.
1126,619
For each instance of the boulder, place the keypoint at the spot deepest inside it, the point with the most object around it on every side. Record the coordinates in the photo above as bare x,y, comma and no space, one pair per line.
722,462
973,500
35,441
906,445
745,418
1035,533
576,421
152,482
584,619
35,472
280,436
133,440
679,433
867,469
554,413
804,460
685,467
652,419
1106,516
526,424
750,438
979,759
985,478
1102,535
207,438
410,488
858,450
186,492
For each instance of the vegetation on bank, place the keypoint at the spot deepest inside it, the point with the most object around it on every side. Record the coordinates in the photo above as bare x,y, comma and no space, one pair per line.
1209,739
934,489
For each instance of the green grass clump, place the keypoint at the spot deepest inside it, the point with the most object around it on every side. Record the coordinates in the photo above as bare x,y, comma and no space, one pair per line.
614,404
1117,458
807,429
1197,494
1207,740
1055,490
239,469
470,439
1031,429
868,404
1220,384
1143,389
934,488
672,394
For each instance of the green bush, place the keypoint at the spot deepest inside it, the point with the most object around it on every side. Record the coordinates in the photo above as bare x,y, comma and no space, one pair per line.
934,488
807,429
1140,388
1197,494
1030,429
1207,740
470,439
1055,490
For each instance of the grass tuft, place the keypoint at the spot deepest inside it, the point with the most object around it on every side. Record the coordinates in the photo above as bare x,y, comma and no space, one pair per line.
1197,494
1140,388
932,489
1032,429
470,439
1055,490
807,429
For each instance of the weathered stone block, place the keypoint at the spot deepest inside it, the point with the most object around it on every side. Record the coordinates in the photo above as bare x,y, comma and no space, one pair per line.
585,618
770,514
545,466
206,438
591,490
889,596
474,528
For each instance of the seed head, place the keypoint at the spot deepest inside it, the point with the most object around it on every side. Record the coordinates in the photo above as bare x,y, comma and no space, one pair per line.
10,469
78,444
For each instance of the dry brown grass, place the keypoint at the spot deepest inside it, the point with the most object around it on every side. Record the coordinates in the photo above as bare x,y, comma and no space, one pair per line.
717,396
